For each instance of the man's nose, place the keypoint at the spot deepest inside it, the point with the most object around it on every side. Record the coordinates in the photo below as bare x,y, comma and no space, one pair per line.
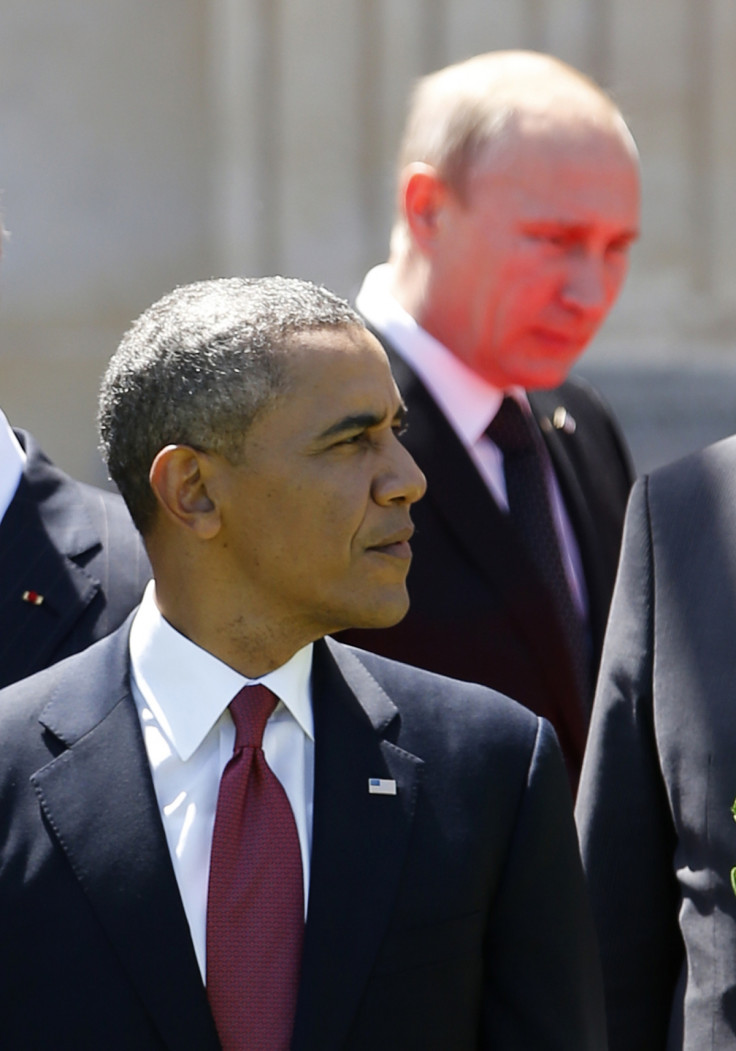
589,287
401,481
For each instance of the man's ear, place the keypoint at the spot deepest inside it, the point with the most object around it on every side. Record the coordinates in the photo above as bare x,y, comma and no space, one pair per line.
423,195
179,478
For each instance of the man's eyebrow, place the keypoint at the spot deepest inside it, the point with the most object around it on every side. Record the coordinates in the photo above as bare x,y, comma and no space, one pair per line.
573,229
362,421
544,225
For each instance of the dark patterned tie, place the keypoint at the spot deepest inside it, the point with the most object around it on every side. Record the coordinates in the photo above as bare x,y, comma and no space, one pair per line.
255,904
531,513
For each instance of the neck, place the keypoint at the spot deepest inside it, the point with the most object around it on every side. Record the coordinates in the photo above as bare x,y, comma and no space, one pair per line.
408,284
200,600
248,644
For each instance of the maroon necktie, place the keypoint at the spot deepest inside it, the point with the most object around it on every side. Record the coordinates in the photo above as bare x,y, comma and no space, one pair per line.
255,903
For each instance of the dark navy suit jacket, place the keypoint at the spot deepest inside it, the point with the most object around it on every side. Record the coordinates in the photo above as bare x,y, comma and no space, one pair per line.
452,915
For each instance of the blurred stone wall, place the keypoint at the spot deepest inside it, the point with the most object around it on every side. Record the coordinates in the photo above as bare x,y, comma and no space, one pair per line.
145,143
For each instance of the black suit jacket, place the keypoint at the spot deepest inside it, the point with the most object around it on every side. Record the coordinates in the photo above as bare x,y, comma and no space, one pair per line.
451,915
659,779
76,546
479,609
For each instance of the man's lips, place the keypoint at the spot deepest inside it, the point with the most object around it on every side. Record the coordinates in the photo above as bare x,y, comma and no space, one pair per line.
560,339
396,545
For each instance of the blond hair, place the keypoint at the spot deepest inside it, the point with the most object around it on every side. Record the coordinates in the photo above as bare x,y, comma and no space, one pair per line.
457,113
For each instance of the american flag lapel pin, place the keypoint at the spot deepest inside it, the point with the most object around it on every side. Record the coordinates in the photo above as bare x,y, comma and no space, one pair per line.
381,786
33,597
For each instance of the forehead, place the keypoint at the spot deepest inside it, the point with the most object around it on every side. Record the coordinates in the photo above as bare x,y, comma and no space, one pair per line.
334,373
573,172
315,355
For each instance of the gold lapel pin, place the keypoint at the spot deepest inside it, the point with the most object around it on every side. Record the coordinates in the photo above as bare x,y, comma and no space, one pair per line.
563,421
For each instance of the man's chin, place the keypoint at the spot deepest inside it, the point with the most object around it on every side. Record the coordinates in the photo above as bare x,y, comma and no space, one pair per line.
538,370
384,615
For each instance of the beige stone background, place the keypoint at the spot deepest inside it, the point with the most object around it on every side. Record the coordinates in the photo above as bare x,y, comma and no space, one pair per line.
145,143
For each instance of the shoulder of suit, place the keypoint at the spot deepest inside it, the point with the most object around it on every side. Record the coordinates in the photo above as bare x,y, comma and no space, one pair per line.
580,417
48,481
103,504
101,526
441,698
700,478
576,394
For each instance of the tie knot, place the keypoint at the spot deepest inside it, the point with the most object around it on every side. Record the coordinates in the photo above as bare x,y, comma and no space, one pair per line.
510,429
250,709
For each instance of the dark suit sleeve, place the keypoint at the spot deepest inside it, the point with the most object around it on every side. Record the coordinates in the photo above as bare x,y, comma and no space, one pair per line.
543,988
624,818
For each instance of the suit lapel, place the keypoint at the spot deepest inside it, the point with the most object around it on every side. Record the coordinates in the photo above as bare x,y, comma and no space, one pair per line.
44,528
359,842
549,406
99,799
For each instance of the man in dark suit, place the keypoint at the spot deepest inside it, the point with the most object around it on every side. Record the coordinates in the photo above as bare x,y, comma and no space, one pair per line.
421,826
656,803
518,200
72,563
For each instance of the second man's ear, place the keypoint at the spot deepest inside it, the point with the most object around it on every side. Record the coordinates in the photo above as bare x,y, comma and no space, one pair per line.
179,478
423,196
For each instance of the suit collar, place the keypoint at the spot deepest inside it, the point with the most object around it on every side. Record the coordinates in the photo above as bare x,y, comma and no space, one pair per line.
98,797
359,841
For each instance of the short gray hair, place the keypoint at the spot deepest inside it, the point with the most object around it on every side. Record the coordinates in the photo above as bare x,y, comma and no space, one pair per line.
197,367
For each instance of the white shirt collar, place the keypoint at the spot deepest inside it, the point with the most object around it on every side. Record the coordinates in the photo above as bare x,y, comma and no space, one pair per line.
467,400
188,688
12,462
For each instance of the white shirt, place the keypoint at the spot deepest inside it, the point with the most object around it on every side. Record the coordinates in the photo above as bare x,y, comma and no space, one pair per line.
182,693
12,462
469,403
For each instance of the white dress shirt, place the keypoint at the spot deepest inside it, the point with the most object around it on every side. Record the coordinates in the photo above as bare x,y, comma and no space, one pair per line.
182,693
12,462
469,404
